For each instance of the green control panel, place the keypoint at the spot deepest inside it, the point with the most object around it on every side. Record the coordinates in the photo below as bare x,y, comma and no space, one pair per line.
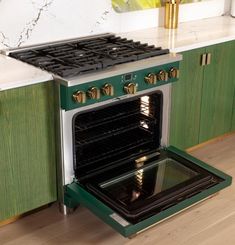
105,89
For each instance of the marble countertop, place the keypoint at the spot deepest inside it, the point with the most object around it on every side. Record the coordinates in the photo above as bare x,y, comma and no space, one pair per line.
15,74
188,35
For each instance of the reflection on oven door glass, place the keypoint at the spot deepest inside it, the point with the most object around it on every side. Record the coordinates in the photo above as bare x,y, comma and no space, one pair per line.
147,182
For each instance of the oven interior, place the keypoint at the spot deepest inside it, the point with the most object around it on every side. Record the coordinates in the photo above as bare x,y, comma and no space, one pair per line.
107,137
118,158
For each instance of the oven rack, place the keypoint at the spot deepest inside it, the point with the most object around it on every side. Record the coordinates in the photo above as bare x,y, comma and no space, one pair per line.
118,112
88,170
108,137
111,129
113,147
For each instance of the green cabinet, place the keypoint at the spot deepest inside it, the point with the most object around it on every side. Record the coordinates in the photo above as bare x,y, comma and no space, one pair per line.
233,120
202,99
186,101
218,92
27,149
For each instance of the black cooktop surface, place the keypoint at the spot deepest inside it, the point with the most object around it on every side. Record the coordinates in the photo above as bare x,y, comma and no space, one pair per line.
86,55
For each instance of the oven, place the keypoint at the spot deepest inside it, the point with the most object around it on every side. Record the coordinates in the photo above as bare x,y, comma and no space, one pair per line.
113,128
117,162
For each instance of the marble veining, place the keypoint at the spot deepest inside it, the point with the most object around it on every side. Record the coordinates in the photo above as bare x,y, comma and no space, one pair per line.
28,22
101,20
28,29
38,21
189,35
4,40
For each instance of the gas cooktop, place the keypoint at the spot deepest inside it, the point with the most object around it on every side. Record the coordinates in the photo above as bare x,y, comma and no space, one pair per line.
81,56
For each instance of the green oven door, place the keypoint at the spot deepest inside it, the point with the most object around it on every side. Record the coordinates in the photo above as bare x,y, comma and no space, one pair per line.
76,194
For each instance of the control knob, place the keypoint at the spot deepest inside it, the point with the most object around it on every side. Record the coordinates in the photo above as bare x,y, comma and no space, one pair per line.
151,78
131,88
79,97
174,72
107,89
162,76
93,93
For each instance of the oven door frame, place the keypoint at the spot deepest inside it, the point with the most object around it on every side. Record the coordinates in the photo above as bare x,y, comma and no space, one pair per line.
66,165
75,194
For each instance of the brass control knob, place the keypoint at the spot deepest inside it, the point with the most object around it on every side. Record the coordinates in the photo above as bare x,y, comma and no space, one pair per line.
93,93
174,72
162,76
151,78
131,88
79,97
107,89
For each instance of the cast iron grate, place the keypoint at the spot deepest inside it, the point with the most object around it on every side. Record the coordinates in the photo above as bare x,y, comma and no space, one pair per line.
83,56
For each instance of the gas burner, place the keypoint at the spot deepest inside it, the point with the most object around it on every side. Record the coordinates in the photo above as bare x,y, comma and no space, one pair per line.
87,55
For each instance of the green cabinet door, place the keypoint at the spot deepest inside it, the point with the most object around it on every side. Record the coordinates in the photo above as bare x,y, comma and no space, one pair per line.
218,92
27,149
233,119
186,101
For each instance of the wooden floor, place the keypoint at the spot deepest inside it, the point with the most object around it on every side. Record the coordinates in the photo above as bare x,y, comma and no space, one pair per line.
211,222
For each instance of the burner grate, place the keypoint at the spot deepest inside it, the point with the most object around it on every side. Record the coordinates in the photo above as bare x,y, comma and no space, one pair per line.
83,56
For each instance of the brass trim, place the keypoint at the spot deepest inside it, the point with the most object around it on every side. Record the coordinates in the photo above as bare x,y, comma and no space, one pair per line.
203,59
174,72
108,89
151,78
93,93
208,59
79,97
162,76
171,14
175,214
131,88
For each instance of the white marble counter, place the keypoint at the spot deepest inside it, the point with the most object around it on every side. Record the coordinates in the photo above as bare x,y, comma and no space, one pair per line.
189,35
15,74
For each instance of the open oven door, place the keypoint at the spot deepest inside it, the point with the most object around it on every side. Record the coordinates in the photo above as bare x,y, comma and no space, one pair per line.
175,182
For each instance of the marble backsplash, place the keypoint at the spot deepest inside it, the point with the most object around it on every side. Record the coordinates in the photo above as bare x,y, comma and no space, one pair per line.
28,22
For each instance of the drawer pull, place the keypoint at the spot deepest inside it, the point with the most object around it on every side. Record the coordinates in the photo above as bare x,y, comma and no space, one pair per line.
203,59
208,59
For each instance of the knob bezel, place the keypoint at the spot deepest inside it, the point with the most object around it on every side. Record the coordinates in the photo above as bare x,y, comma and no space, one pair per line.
79,97
107,89
93,93
174,72
151,78
131,88
162,76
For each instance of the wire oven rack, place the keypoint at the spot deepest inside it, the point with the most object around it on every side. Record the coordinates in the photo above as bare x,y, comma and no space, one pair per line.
105,136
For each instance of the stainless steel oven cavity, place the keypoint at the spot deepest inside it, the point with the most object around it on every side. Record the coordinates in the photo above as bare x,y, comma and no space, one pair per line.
114,128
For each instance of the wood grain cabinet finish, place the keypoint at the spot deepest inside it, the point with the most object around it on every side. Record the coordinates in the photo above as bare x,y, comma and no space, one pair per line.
218,92
27,149
186,101
203,100
233,120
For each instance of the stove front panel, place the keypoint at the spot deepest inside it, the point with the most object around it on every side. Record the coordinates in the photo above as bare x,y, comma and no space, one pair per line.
125,85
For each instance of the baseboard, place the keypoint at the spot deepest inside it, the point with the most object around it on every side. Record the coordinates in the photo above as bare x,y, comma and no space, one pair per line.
17,217
214,140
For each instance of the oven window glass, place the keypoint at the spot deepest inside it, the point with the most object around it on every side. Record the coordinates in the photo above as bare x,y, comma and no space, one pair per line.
146,182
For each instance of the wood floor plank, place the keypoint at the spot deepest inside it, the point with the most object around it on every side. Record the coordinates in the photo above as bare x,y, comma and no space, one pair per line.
209,223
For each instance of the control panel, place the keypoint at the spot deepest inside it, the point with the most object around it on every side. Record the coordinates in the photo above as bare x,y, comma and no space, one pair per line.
125,84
